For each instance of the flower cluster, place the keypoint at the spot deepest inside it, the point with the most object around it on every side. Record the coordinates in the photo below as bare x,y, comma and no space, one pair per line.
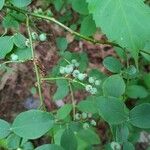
87,118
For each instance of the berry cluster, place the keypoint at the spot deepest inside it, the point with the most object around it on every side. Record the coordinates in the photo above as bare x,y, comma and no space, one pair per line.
72,69
42,37
85,117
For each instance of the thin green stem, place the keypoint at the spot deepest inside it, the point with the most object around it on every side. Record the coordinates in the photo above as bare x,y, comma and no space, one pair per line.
73,101
63,78
35,65
11,61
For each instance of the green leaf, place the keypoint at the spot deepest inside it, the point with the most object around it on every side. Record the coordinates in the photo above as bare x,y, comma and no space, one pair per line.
136,91
68,140
112,64
112,110
80,6
128,146
19,40
6,43
4,129
146,49
89,136
28,146
114,86
23,53
10,22
64,111
13,141
2,4
140,116
49,147
20,3
88,106
61,43
146,79
88,26
32,124
58,4
117,20
62,90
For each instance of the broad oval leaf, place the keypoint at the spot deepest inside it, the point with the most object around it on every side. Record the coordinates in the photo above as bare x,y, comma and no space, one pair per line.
140,116
20,3
128,146
80,6
136,91
89,136
64,111
112,110
2,4
62,90
6,45
88,26
123,22
32,124
114,86
112,64
68,140
4,129
49,147
19,40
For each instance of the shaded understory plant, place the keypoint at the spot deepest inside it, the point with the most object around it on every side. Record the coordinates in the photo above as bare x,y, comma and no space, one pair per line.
74,126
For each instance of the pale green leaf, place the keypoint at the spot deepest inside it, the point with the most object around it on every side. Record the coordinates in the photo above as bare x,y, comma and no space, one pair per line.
2,4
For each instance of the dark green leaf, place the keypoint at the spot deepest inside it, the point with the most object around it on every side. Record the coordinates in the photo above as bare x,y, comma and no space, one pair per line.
62,43
114,86
112,110
80,6
32,124
10,22
13,141
88,26
6,45
49,147
140,116
19,40
64,111
68,140
112,64
136,91
89,136
23,53
62,90
128,146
